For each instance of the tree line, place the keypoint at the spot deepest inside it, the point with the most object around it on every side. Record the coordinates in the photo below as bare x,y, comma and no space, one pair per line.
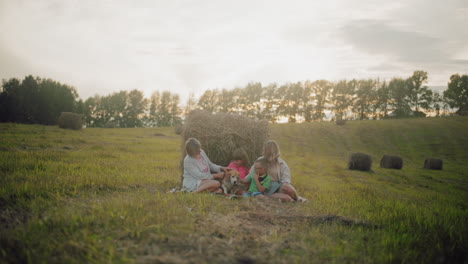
132,109
346,99
36,100
40,101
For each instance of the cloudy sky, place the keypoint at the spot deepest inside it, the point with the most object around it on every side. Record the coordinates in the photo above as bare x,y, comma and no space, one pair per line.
184,46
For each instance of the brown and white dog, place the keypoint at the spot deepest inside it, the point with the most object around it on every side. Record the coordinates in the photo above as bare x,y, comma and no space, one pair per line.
231,179
239,188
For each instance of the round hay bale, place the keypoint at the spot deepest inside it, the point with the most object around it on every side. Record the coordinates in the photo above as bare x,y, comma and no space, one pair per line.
220,134
433,164
340,122
360,161
68,120
179,129
111,124
391,162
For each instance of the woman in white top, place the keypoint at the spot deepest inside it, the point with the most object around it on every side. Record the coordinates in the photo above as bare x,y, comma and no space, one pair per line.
198,168
280,175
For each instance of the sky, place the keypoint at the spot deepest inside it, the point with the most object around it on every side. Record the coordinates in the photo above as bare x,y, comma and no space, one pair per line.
187,47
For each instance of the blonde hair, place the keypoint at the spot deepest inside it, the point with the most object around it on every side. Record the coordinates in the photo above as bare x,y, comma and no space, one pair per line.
271,151
191,146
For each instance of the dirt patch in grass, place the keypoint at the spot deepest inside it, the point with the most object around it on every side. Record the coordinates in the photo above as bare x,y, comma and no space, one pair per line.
11,211
11,217
255,234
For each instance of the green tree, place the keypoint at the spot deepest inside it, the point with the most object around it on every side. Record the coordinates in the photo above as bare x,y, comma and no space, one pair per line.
168,110
382,100
9,100
342,98
114,108
226,101
54,98
289,98
437,103
321,90
250,100
270,103
27,100
209,101
134,110
190,105
80,107
419,94
106,106
175,111
35,100
164,110
307,104
365,98
456,94
399,97
90,107
153,109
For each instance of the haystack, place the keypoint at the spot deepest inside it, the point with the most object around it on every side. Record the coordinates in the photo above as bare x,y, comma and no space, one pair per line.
220,134
360,161
391,162
70,120
340,122
433,164
111,124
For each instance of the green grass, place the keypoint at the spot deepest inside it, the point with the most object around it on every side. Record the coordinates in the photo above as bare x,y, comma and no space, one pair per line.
99,196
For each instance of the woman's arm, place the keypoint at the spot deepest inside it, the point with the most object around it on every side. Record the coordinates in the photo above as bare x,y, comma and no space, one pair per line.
285,174
192,170
211,165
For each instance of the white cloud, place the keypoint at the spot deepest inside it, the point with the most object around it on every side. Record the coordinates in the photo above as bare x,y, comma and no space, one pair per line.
190,46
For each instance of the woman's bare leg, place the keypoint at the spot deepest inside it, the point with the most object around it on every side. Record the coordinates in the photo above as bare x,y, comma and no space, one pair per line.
281,196
208,185
289,190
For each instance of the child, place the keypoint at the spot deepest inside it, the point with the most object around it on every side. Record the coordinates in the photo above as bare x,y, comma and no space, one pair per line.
240,162
258,179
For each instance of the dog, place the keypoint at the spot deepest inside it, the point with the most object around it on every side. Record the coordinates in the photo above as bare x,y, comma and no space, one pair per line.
239,188
230,179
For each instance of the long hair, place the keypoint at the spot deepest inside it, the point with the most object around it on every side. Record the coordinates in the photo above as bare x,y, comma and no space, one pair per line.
191,146
271,151
240,154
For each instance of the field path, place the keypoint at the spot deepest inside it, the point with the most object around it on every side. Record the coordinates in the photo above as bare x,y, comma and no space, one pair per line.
259,225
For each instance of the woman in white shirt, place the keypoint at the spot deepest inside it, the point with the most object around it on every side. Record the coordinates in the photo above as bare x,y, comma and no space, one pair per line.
198,168
280,175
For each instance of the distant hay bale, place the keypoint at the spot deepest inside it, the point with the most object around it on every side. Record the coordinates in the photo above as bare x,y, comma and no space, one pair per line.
340,122
433,164
360,161
179,129
68,120
220,134
111,124
391,162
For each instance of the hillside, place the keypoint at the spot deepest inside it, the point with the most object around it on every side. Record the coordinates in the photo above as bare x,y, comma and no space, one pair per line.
99,195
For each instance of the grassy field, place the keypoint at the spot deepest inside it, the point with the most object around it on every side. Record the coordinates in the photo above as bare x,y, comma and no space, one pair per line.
100,196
